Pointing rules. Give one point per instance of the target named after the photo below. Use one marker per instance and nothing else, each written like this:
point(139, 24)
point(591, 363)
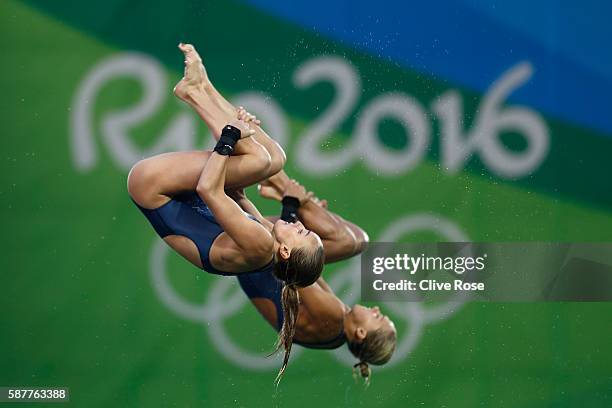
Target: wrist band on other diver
point(290, 209)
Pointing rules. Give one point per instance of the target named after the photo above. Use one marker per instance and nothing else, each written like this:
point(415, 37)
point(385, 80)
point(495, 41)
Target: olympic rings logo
point(225, 299)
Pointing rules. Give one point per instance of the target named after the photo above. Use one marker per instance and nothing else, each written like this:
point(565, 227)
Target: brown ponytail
point(290, 300)
point(302, 269)
point(362, 368)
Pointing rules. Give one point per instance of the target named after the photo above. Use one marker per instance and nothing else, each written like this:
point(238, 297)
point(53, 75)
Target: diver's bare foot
point(277, 182)
point(320, 203)
point(273, 187)
point(195, 80)
point(268, 191)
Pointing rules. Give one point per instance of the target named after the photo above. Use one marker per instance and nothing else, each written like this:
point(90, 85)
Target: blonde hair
point(377, 348)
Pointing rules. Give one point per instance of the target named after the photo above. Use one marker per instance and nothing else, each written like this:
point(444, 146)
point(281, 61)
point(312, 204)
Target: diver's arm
point(247, 206)
point(249, 236)
point(341, 239)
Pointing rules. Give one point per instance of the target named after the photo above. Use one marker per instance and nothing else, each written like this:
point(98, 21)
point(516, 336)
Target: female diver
point(323, 320)
point(182, 195)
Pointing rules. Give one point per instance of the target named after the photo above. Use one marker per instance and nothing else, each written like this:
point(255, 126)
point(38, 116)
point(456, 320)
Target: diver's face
point(295, 235)
point(370, 318)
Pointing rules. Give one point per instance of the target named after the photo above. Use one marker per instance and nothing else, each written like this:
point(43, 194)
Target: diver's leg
point(153, 180)
point(197, 90)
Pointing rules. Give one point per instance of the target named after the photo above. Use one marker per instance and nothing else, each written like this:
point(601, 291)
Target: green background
point(79, 308)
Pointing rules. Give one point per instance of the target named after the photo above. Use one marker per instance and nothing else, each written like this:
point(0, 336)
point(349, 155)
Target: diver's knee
point(263, 161)
point(278, 159)
point(140, 179)
point(362, 240)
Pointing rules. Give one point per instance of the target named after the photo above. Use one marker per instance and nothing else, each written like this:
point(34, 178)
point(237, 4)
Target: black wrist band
point(290, 209)
point(229, 136)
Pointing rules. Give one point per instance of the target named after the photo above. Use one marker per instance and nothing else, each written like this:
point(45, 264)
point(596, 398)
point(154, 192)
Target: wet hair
point(302, 269)
point(377, 348)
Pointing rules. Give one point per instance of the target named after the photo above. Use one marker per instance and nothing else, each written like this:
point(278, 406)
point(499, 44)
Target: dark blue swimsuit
point(189, 216)
point(264, 285)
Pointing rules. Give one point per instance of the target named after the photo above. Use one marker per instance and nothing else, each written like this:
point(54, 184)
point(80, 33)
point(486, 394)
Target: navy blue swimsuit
point(264, 285)
point(189, 216)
